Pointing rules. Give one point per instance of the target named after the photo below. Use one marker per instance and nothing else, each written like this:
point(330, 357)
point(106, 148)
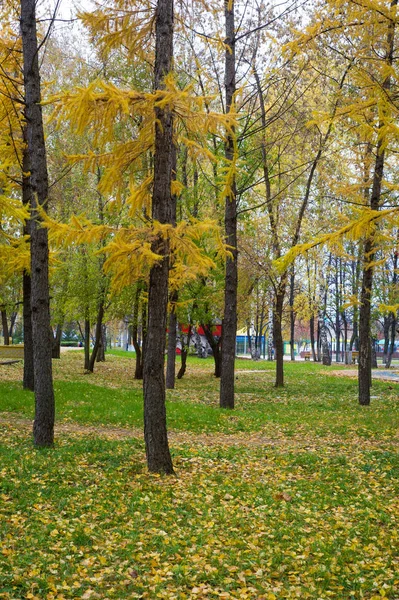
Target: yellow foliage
point(364, 226)
point(129, 250)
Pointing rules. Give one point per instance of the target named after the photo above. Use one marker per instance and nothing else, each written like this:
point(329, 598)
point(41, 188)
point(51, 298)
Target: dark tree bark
point(184, 352)
point(172, 336)
point(155, 433)
point(215, 344)
point(324, 346)
point(98, 335)
point(229, 324)
point(369, 247)
point(13, 319)
point(172, 339)
point(28, 377)
point(4, 325)
point(87, 344)
point(278, 332)
point(386, 329)
point(393, 322)
point(337, 313)
point(43, 428)
point(56, 347)
point(374, 363)
point(102, 346)
point(98, 354)
point(292, 313)
point(312, 337)
point(138, 347)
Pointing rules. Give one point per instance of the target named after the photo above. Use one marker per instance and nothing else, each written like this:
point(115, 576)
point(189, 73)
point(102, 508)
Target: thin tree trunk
point(155, 433)
point(374, 363)
point(391, 350)
point(229, 325)
point(172, 336)
point(138, 374)
point(102, 346)
point(13, 319)
point(386, 329)
point(312, 338)
point(292, 313)
point(4, 324)
point(172, 339)
point(184, 352)
point(87, 344)
point(215, 346)
point(28, 377)
point(56, 347)
point(369, 249)
point(98, 336)
point(43, 428)
point(278, 335)
point(393, 320)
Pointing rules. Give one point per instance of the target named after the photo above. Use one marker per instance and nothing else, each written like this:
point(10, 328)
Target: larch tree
point(368, 107)
point(43, 427)
point(229, 323)
point(156, 440)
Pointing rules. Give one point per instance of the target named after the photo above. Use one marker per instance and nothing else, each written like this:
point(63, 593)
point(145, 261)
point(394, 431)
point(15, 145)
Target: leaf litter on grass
point(291, 508)
point(86, 520)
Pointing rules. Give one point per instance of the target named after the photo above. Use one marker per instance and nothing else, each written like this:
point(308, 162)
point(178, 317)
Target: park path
point(382, 374)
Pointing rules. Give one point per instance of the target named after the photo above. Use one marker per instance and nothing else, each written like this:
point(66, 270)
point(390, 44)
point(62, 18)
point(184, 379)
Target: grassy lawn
point(294, 494)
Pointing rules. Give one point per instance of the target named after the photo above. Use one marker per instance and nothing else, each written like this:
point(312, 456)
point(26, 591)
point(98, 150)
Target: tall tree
point(43, 427)
point(375, 200)
point(229, 327)
point(155, 433)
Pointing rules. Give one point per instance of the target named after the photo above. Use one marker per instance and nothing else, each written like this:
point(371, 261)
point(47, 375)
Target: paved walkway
point(384, 374)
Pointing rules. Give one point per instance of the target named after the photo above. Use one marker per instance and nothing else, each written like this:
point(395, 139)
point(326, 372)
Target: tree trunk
point(172, 336)
point(13, 319)
point(318, 340)
point(278, 332)
point(56, 346)
point(215, 346)
point(374, 363)
point(87, 344)
point(184, 353)
point(229, 324)
point(102, 346)
point(369, 249)
point(98, 336)
point(292, 314)
point(4, 324)
point(345, 321)
point(324, 346)
point(138, 374)
point(391, 349)
point(172, 339)
point(155, 433)
point(28, 378)
point(393, 320)
point(312, 338)
point(386, 329)
point(43, 428)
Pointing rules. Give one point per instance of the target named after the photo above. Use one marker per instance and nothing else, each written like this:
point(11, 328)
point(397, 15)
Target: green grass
point(304, 503)
point(312, 402)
